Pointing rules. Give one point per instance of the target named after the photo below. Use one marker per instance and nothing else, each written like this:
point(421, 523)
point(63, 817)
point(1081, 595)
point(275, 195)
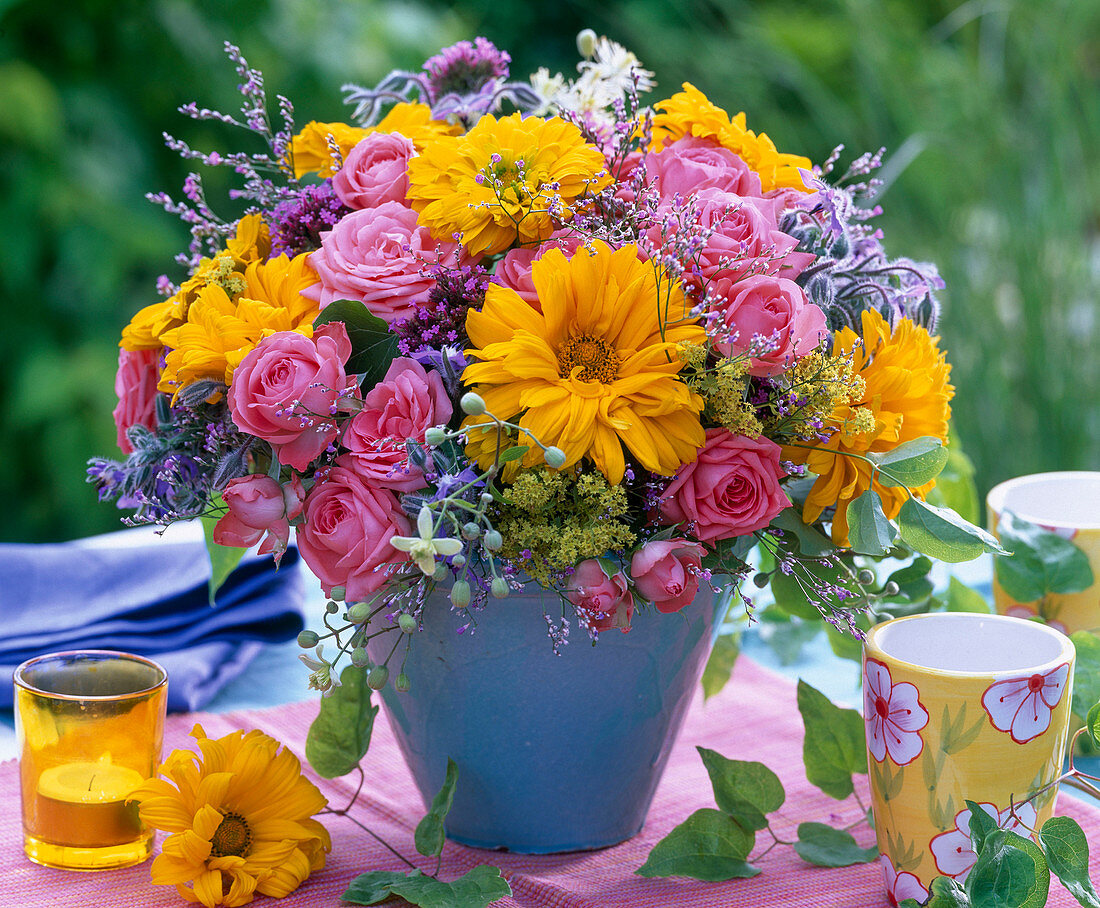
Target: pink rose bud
point(136, 386)
point(375, 171)
point(605, 601)
point(259, 505)
point(666, 572)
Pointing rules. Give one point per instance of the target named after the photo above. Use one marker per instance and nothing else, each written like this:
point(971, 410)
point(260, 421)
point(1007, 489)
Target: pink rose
point(605, 601)
point(285, 391)
point(773, 308)
point(514, 270)
point(691, 164)
point(407, 402)
point(136, 387)
point(666, 572)
point(259, 505)
point(380, 257)
point(375, 171)
point(345, 537)
point(731, 488)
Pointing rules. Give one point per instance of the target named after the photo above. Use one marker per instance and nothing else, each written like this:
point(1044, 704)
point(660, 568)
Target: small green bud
point(338, 593)
point(359, 613)
point(460, 594)
point(493, 540)
point(435, 436)
point(402, 683)
point(761, 580)
point(866, 576)
point(472, 404)
point(377, 677)
point(470, 530)
point(486, 498)
point(331, 607)
point(359, 657)
point(891, 589)
point(407, 623)
point(555, 457)
point(586, 43)
point(499, 588)
point(458, 560)
point(441, 573)
point(308, 639)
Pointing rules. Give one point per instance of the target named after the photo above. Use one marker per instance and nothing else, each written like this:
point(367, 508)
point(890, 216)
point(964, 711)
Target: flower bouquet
point(537, 342)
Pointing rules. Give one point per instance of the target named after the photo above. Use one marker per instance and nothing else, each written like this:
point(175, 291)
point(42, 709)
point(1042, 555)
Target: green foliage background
point(990, 110)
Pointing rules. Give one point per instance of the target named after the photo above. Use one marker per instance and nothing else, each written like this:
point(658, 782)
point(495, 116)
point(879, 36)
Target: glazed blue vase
point(554, 753)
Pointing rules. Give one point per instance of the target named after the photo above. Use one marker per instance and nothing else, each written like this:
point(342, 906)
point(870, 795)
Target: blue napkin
point(146, 594)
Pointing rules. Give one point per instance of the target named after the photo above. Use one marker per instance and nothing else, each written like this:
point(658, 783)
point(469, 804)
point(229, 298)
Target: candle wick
point(91, 781)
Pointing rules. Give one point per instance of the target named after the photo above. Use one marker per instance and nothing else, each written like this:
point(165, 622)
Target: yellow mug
point(960, 707)
point(1066, 503)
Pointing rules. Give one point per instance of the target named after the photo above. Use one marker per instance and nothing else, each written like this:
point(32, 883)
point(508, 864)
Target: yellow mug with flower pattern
point(1067, 504)
point(960, 707)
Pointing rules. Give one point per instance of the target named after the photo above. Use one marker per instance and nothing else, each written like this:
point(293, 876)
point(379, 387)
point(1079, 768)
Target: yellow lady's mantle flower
point(908, 395)
point(239, 818)
point(593, 370)
point(503, 182)
point(691, 113)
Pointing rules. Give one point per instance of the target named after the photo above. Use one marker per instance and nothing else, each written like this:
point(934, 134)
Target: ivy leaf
point(1011, 872)
point(429, 835)
point(1041, 562)
point(340, 735)
point(1067, 853)
point(708, 845)
point(720, 664)
point(373, 345)
point(827, 847)
point(223, 558)
point(869, 530)
point(1086, 673)
point(743, 790)
point(943, 534)
point(911, 464)
point(962, 598)
point(835, 742)
point(477, 889)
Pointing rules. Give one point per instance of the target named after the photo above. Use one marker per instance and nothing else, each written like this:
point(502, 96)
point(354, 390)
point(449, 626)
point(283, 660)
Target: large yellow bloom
point(414, 121)
point(691, 113)
point(280, 281)
point(908, 396)
point(239, 818)
point(592, 371)
point(496, 184)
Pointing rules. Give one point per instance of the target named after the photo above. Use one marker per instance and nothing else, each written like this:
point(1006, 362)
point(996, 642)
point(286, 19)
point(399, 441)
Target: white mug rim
point(995, 500)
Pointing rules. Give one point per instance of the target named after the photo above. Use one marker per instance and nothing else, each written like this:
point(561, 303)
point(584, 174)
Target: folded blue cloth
point(146, 594)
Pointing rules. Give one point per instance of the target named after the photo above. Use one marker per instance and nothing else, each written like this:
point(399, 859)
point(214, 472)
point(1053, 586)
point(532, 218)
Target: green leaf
point(835, 742)
point(1086, 672)
point(1092, 722)
point(1011, 872)
point(745, 791)
point(943, 893)
point(1041, 562)
point(1067, 853)
point(340, 735)
point(373, 345)
point(811, 541)
point(827, 847)
point(962, 598)
point(786, 638)
point(720, 664)
point(911, 464)
point(429, 835)
point(912, 580)
point(981, 826)
point(477, 889)
point(955, 487)
point(223, 558)
point(708, 845)
point(943, 534)
point(516, 452)
point(869, 530)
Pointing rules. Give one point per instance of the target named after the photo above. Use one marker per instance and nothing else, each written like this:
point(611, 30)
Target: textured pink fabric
point(754, 718)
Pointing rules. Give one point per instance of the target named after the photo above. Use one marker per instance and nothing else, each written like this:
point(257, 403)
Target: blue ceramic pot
point(554, 753)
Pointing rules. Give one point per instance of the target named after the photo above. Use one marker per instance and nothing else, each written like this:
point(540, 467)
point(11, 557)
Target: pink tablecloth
point(754, 718)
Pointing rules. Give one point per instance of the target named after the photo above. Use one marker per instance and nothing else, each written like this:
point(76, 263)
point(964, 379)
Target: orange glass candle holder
point(89, 726)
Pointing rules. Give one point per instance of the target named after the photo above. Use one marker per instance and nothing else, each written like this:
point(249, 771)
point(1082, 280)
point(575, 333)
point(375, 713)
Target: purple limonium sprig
point(441, 320)
point(297, 223)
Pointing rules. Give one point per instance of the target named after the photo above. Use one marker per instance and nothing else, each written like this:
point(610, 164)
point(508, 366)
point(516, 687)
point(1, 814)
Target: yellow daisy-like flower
point(496, 184)
point(239, 818)
point(414, 121)
point(593, 371)
point(280, 282)
point(908, 395)
point(691, 113)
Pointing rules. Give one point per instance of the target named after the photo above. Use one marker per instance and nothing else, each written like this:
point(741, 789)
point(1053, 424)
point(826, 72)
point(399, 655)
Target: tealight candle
point(90, 726)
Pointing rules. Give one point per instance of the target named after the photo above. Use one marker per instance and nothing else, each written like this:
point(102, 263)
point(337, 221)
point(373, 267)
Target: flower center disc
point(1035, 683)
point(231, 837)
point(596, 358)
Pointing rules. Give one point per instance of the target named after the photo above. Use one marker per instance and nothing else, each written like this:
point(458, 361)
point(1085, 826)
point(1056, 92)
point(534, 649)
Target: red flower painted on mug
point(953, 850)
point(1023, 706)
point(893, 715)
point(901, 886)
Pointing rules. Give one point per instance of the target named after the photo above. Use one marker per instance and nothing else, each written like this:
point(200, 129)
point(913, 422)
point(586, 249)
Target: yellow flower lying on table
point(239, 820)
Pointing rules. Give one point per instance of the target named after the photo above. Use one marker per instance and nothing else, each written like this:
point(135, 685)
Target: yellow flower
point(592, 371)
point(495, 185)
point(414, 121)
point(907, 395)
point(239, 820)
point(280, 282)
point(691, 113)
point(251, 242)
